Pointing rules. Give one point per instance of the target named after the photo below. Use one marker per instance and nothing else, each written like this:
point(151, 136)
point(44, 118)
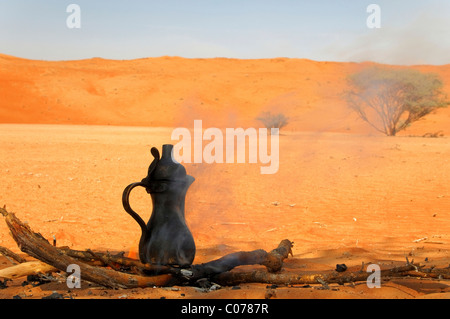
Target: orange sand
point(345, 194)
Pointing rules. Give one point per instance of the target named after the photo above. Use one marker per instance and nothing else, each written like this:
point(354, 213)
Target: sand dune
point(173, 91)
point(343, 193)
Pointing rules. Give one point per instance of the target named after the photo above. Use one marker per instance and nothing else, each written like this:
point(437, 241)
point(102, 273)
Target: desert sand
point(74, 134)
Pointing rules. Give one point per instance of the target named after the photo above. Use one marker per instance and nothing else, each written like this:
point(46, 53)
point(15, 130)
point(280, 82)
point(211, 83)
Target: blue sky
point(412, 32)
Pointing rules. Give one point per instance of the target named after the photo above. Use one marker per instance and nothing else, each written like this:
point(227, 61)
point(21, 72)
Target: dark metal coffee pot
point(165, 239)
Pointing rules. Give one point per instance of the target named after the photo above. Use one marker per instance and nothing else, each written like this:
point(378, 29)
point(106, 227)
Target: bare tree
point(273, 120)
point(391, 99)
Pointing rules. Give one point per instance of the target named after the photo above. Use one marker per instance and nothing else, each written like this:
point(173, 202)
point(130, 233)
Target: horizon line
point(216, 58)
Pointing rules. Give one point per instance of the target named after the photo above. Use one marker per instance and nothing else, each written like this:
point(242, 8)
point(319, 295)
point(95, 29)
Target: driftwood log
point(236, 278)
point(117, 271)
point(137, 274)
point(11, 256)
point(25, 269)
point(35, 245)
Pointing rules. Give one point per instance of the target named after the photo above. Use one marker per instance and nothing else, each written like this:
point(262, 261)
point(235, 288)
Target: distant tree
point(391, 99)
point(273, 120)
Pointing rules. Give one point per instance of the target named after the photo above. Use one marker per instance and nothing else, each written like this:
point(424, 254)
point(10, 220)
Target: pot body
point(166, 238)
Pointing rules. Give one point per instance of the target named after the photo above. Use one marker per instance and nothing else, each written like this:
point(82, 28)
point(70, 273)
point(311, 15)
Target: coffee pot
point(165, 239)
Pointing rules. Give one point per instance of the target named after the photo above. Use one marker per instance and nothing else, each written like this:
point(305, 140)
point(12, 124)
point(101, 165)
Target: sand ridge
point(74, 134)
point(173, 91)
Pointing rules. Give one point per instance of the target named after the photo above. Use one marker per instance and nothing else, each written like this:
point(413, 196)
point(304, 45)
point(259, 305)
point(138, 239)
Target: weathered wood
point(119, 261)
point(25, 269)
point(11, 255)
point(220, 271)
point(272, 260)
point(228, 262)
point(430, 273)
point(232, 278)
point(36, 246)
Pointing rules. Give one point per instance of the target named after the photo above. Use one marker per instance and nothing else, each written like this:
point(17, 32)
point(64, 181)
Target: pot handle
point(127, 207)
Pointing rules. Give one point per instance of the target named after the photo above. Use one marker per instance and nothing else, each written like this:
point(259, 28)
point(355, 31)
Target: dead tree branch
point(117, 271)
point(37, 246)
point(25, 269)
point(272, 260)
point(232, 278)
point(99, 258)
point(11, 256)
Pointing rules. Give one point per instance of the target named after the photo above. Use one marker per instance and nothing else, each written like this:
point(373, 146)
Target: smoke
point(211, 196)
point(425, 39)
